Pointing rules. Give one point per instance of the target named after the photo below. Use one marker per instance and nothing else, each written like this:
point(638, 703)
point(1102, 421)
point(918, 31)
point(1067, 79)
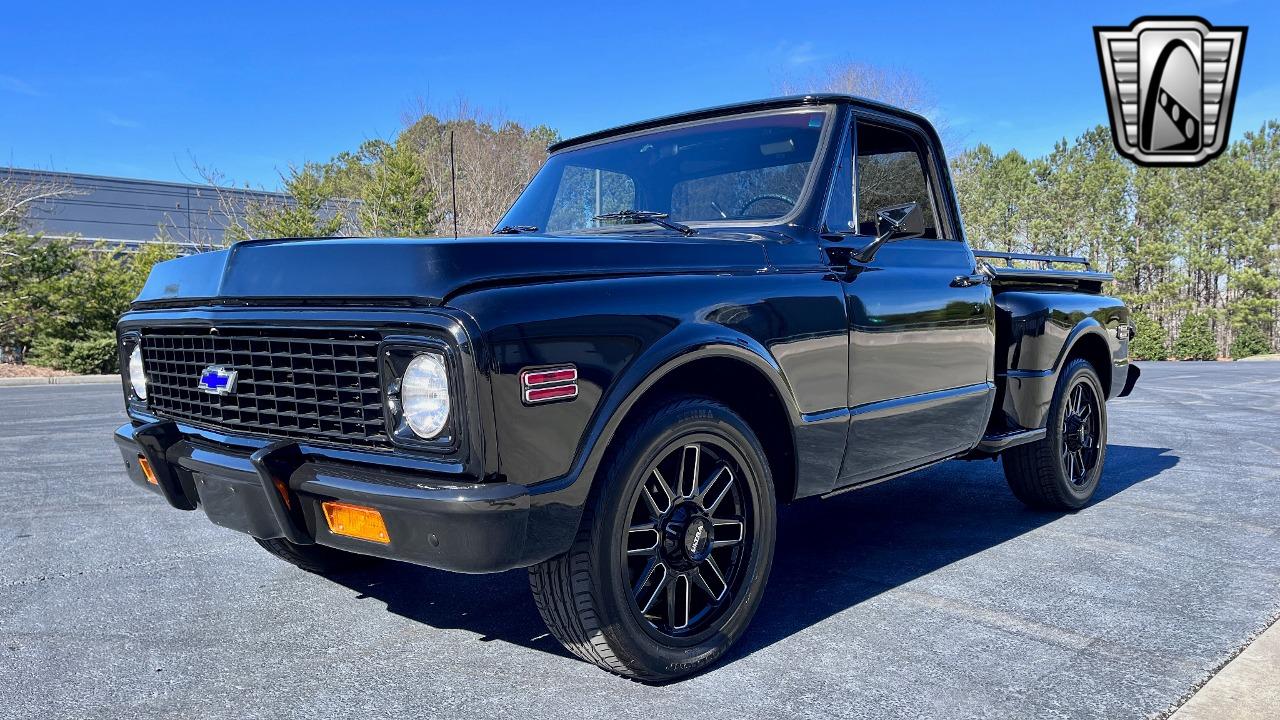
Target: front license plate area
point(237, 505)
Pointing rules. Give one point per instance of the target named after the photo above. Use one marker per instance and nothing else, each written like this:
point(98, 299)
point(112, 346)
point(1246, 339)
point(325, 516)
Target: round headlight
point(424, 395)
point(137, 377)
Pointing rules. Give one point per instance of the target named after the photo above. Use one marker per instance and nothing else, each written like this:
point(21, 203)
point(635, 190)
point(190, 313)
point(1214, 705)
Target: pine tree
point(1175, 238)
point(311, 210)
point(1151, 340)
point(1195, 339)
point(1250, 341)
point(397, 198)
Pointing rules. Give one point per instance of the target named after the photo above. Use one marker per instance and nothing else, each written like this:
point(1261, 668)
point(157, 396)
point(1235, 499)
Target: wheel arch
point(699, 364)
point(724, 374)
point(1088, 341)
point(679, 364)
point(1028, 392)
point(737, 374)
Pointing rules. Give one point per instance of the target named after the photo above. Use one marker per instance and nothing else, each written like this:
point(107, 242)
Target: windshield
point(749, 168)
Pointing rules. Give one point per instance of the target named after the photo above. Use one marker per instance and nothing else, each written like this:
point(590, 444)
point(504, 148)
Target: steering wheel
point(742, 210)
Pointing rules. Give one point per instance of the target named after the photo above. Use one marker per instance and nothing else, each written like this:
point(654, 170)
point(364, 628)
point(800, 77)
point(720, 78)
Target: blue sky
point(140, 89)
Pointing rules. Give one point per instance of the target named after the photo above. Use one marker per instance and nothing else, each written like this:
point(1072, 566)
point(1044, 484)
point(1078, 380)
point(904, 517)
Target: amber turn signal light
point(355, 521)
point(147, 472)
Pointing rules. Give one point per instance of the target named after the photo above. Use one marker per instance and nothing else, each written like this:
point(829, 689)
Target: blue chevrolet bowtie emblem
point(218, 380)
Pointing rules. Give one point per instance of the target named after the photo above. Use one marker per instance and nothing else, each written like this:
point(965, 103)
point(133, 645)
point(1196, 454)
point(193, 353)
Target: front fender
point(626, 334)
point(557, 504)
point(686, 344)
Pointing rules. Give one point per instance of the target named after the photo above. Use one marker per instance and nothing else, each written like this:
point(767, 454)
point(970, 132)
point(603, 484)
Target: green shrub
point(1250, 341)
point(32, 271)
point(60, 300)
point(1195, 339)
point(94, 355)
point(1151, 340)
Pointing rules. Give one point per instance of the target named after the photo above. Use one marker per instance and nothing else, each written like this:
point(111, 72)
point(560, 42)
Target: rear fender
point(1041, 330)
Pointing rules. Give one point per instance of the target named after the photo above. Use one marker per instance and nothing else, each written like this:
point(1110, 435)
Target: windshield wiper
point(514, 229)
point(649, 216)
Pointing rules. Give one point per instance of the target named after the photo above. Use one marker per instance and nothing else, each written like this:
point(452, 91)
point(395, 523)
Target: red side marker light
point(547, 384)
point(534, 378)
point(534, 395)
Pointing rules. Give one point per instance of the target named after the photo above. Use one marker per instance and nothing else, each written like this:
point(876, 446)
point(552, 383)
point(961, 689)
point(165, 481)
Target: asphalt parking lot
point(935, 595)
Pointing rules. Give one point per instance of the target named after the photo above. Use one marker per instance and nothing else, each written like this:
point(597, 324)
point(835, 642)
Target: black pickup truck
point(681, 324)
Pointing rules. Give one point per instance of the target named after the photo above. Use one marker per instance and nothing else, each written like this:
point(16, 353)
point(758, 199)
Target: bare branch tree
point(227, 213)
point(20, 194)
point(239, 211)
point(890, 85)
point(495, 156)
point(894, 86)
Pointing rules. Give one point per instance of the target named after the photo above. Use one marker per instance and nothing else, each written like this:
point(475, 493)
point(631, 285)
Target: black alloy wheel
point(1080, 435)
point(1062, 471)
point(687, 537)
point(674, 548)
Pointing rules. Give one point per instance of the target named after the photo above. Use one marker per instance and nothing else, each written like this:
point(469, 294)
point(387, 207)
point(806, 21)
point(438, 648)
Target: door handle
point(962, 281)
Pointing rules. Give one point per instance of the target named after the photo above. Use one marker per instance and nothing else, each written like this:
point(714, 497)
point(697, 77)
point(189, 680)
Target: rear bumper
point(276, 491)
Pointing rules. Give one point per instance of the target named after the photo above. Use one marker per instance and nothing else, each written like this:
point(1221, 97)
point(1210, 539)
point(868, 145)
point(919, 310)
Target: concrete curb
point(1247, 686)
point(63, 380)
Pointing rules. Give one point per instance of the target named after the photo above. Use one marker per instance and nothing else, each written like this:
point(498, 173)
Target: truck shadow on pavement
point(831, 554)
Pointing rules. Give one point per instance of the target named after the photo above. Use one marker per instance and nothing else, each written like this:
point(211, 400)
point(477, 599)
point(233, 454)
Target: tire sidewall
point(635, 644)
point(1077, 496)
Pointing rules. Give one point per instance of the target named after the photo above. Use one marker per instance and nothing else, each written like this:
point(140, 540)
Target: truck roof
point(741, 107)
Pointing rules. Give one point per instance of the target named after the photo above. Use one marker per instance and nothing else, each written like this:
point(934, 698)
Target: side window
point(587, 192)
point(891, 169)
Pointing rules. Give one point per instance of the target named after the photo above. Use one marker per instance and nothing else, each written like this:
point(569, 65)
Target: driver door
point(921, 338)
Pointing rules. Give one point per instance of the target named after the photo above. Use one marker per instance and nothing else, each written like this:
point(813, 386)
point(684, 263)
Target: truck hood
point(430, 270)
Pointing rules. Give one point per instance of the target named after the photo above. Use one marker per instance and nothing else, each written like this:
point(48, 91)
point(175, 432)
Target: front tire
point(1061, 471)
point(673, 553)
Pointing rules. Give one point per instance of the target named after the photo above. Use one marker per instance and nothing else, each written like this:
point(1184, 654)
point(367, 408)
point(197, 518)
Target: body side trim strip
point(914, 402)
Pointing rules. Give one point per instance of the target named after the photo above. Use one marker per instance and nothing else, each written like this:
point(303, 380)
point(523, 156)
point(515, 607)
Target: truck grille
point(313, 385)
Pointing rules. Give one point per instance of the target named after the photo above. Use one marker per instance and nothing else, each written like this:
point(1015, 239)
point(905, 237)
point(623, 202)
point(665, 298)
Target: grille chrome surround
point(318, 385)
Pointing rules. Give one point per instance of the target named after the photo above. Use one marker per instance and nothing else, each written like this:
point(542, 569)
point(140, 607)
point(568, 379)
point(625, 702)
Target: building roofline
point(35, 173)
point(738, 108)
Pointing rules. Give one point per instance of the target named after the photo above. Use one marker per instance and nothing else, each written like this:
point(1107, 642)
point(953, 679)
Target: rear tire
point(1061, 471)
point(317, 559)
point(674, 549)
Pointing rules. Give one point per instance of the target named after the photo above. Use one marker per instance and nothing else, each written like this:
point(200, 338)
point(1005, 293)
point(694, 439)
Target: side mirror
point(899, 222)
point(896, 222)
